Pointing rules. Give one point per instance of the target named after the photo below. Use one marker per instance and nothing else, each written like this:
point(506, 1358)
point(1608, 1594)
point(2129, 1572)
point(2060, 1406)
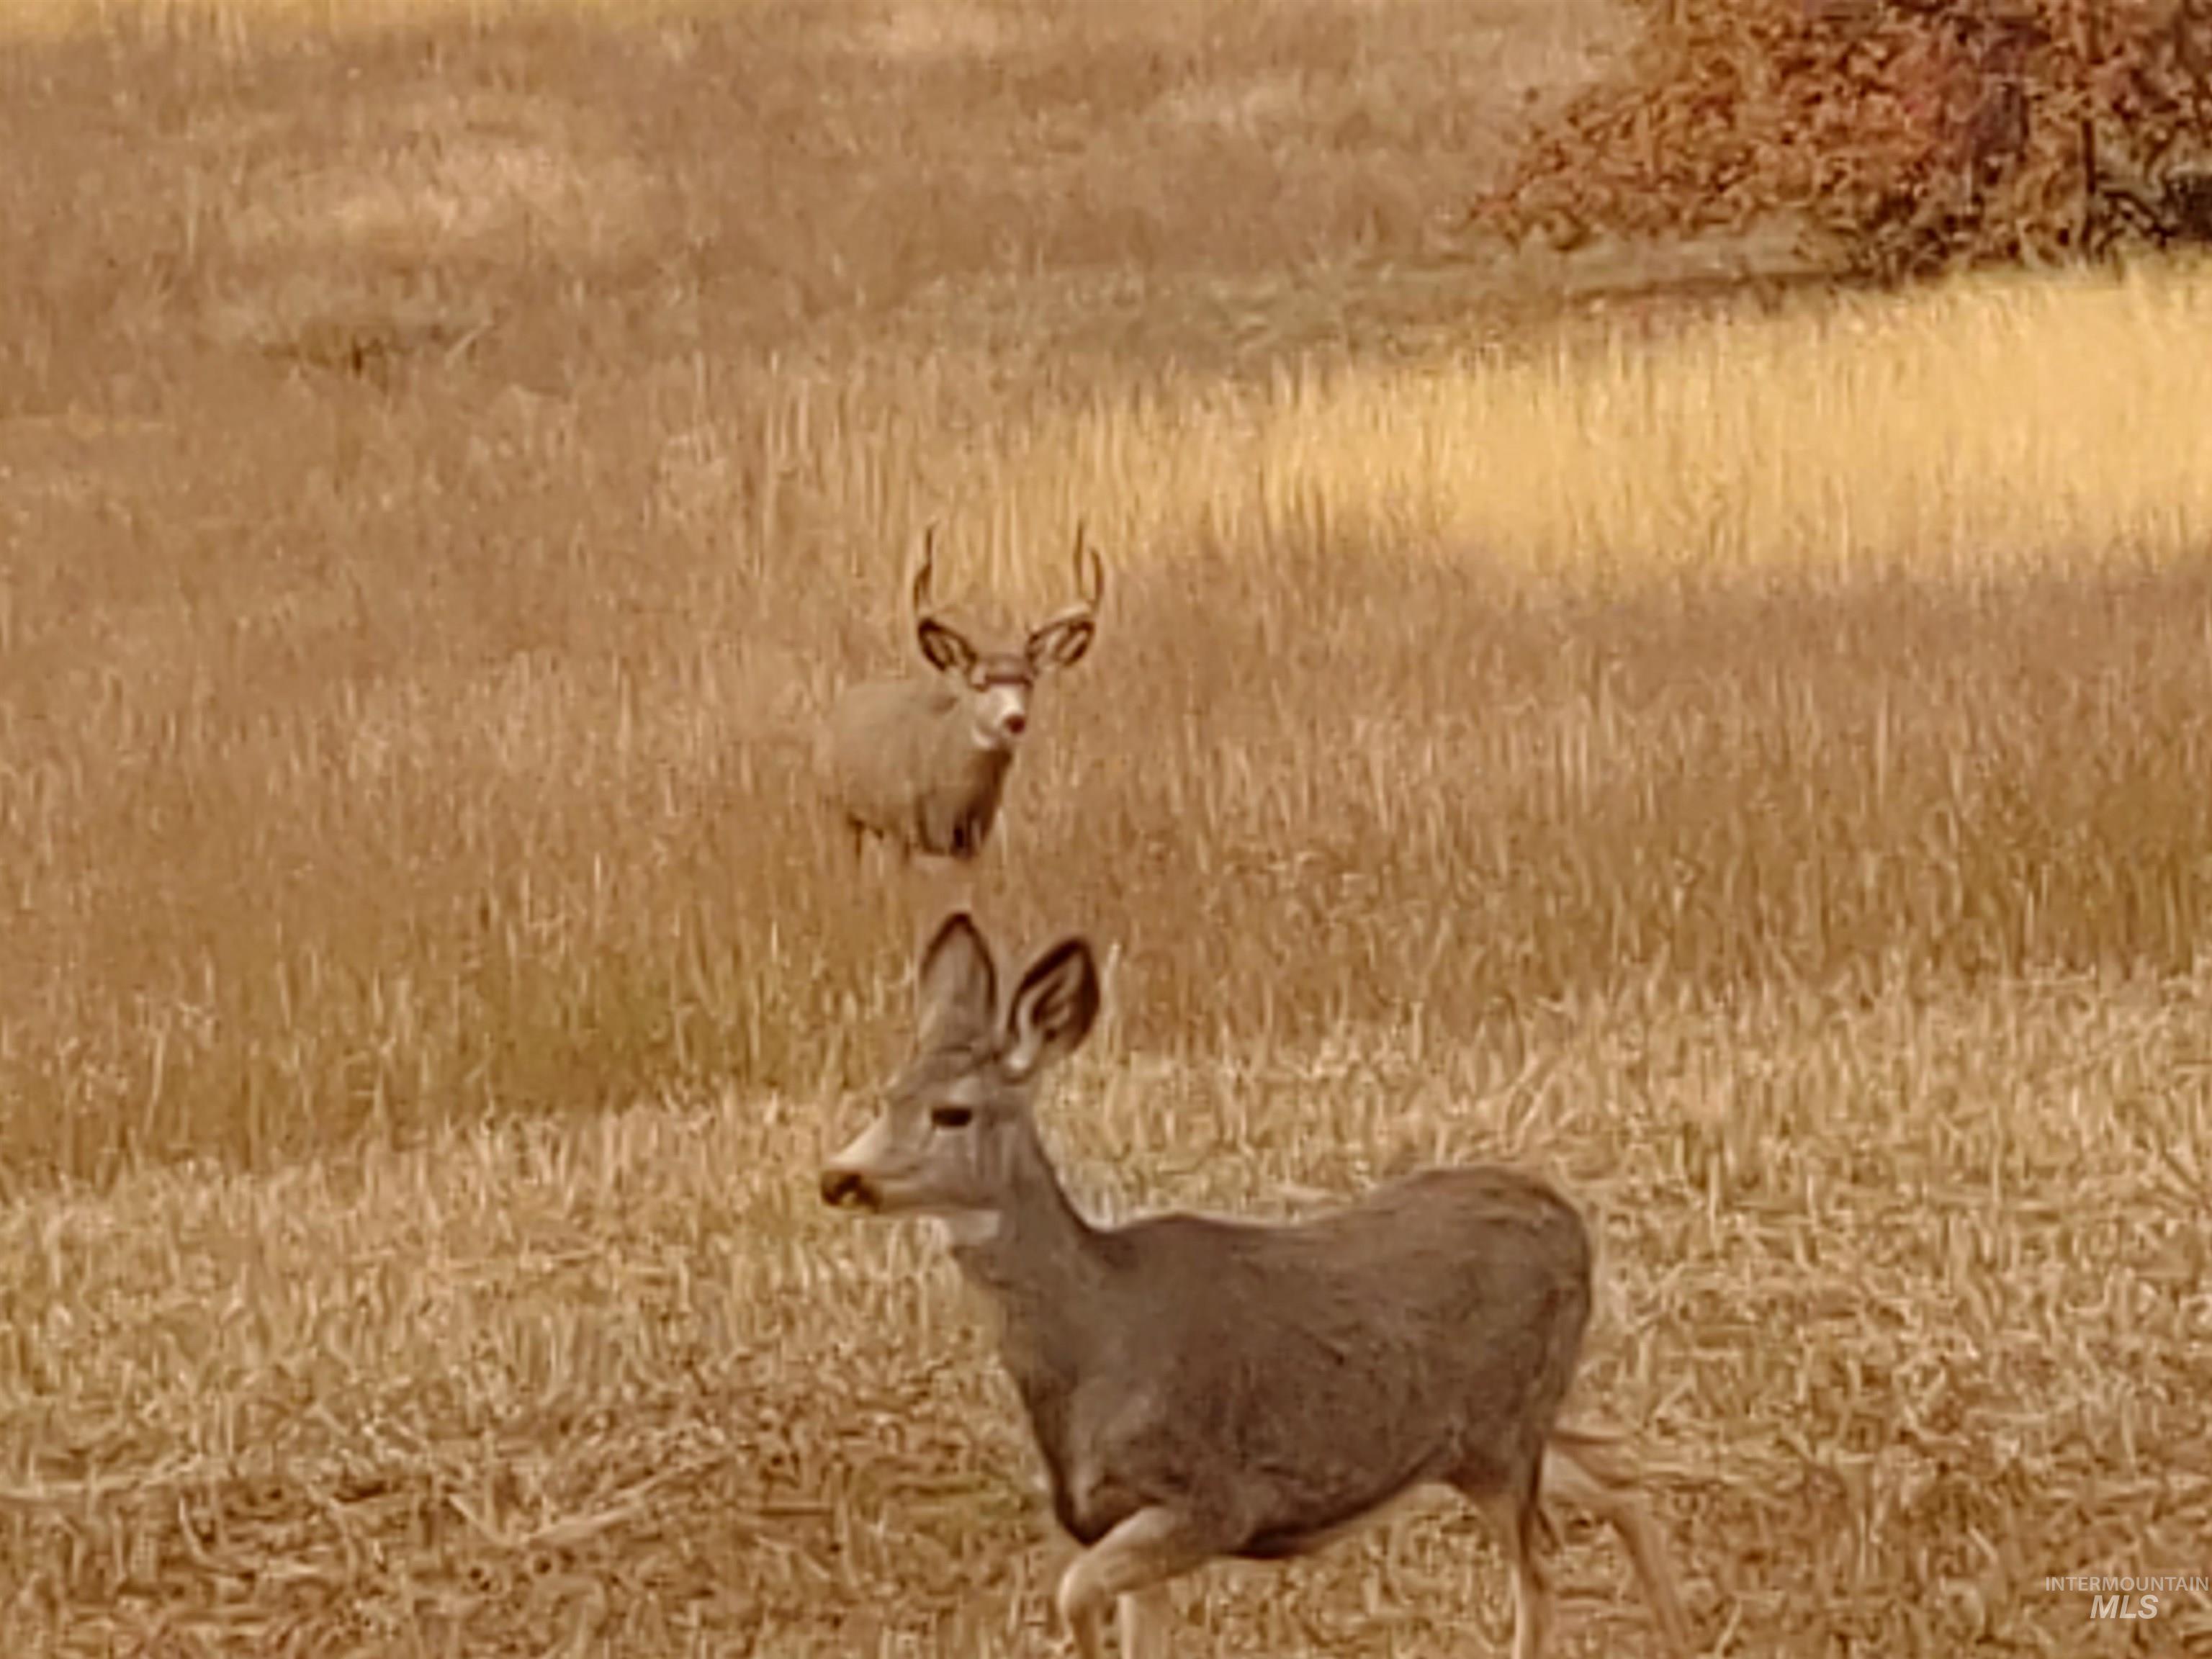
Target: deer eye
point(951, 1117)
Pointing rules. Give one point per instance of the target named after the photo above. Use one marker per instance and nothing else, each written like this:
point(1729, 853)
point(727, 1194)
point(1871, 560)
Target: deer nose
point(1017, 723)
point(842, 1187)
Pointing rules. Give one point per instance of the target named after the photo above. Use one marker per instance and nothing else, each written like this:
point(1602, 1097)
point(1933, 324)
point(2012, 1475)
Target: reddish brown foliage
point(1903, 136)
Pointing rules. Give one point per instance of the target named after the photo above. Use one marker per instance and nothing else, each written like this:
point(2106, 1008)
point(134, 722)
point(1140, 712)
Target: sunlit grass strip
point(1995, 426)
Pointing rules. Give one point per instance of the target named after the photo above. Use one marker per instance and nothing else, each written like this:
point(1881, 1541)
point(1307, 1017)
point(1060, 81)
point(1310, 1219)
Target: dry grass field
point(1744, 750)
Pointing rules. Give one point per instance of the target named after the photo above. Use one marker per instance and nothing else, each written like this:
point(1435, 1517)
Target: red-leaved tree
point(1902, 137)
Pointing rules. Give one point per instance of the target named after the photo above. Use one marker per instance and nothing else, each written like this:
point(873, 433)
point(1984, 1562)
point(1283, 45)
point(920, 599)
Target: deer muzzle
point(1002, 714)
point(847, 1189)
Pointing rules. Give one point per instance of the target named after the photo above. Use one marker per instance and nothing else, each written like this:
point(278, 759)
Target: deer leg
point(1516, 1514)
point(1146, 1617)
point(1145, 1551)
point(1532, 1579)
point(1576, 1470)
point(1532, 1604)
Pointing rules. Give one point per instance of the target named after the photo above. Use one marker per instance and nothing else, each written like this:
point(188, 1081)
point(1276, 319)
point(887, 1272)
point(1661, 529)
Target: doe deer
point(1203, 1388)
point(923, 763)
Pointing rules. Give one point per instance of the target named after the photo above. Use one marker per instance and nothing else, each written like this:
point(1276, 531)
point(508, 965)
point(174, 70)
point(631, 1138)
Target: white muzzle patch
point(1002, 714)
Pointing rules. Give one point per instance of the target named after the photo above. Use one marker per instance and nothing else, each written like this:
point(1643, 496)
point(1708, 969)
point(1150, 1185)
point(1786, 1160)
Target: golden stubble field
point(1744, 754)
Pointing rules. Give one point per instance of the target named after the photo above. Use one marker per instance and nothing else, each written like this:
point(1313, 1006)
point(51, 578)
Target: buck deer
point(1202, 1389)
point(923, 763)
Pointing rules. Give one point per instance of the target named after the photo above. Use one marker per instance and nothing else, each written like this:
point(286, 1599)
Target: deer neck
point(1064, 1320)
point(1044, 1266)
point(984, 763)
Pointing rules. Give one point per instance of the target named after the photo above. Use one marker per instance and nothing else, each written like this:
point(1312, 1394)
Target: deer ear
point(1053, 1009)
point(1061, 643)
point(947, 651)
point(957, 986)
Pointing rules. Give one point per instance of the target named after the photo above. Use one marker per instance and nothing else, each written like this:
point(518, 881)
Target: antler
point(921, 576)
point(1061, 640)
point(944, 646)
point(1093, 589)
